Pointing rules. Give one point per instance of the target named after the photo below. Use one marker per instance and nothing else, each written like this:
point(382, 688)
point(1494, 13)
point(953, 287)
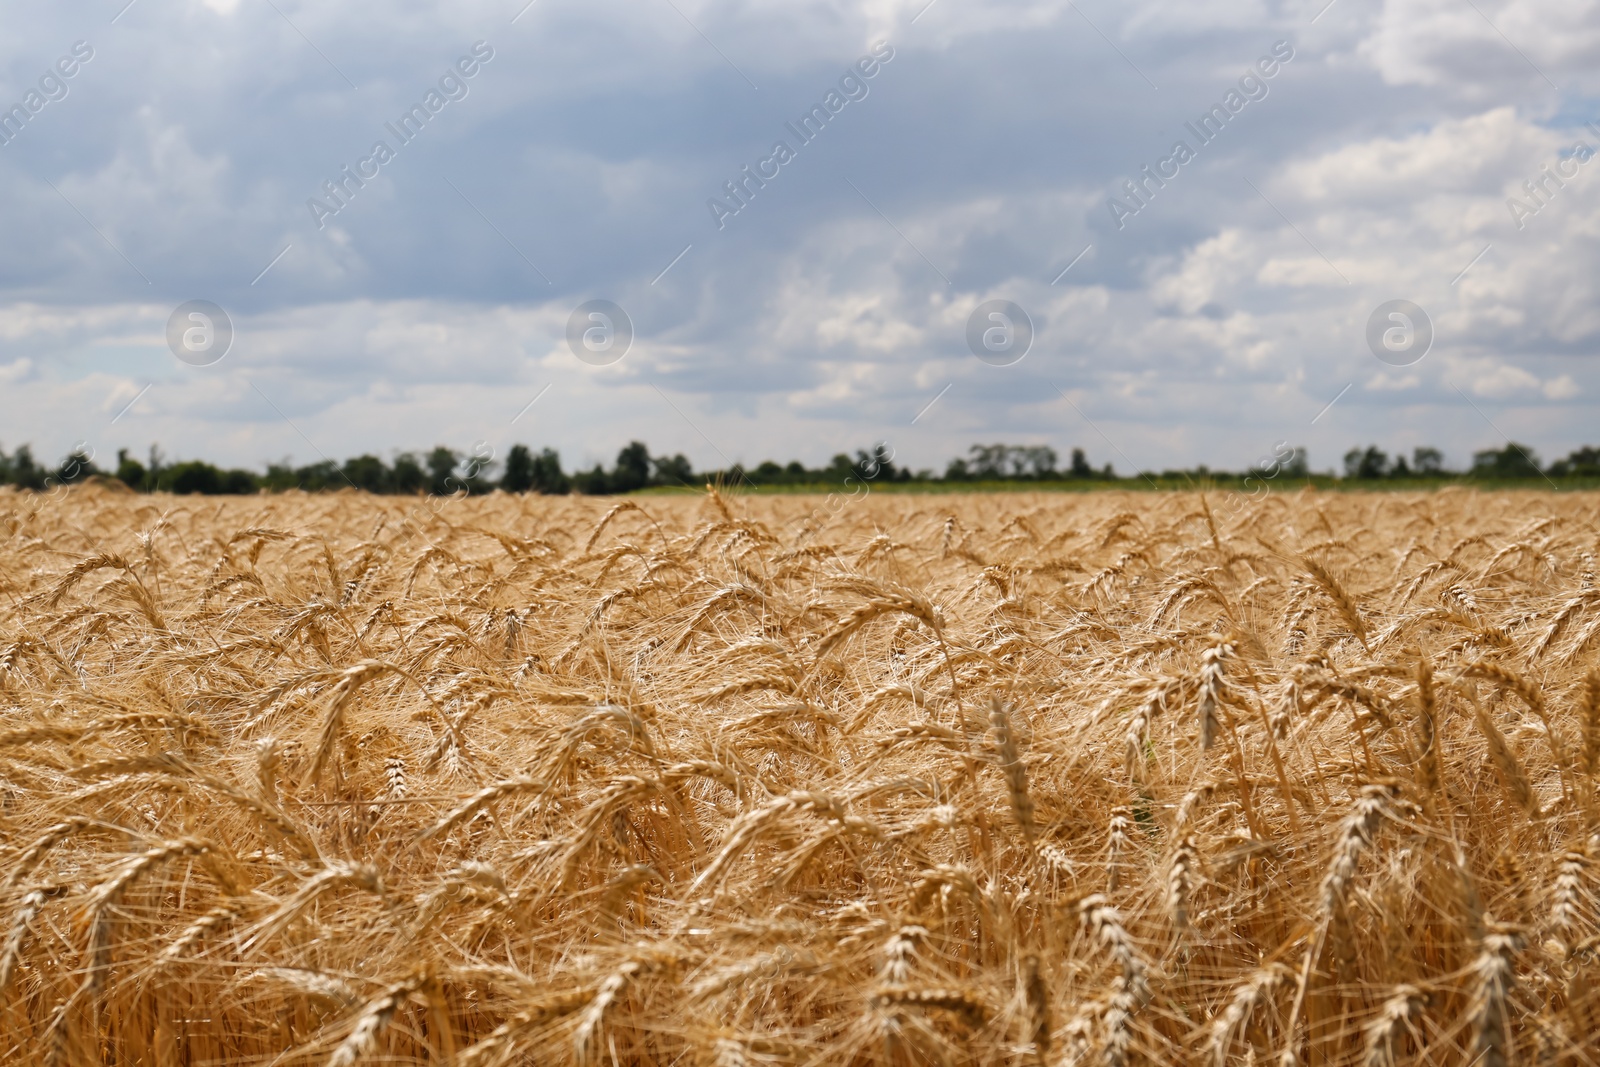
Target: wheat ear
point(1494, 977)
point(1010, 760)
point(373, 1020)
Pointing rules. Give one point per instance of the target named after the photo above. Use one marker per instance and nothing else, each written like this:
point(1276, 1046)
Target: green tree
point(408, 475)
point(592, 482)
point(548, 477)
point(878, 464)
point(839, 468)
point(987, 461)
point(441, 471)
point(320, 476)
point(633, 468)
point(368, 472)
point(674, 470)
point(1425, 460)
point(1512, 461)
point(130, 472)
point(474, 475)
point(25, 471)
point(1584, 461)
point(1038, 460)
point(1373, 462)
point(519, 472)
point(194, 476)
point(240, 482)
point(75, 467)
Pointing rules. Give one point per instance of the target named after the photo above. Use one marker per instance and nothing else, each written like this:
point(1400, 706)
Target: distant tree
point(1512, 461)
point(1080, 465)
point(130, 472)
point(677, 470)
point(633, 468)
point(279, 478)
point(592, 481)
point(476, 469)
point(407, 475)
point(1425, 460)
point(1295, 464)
point(75, 467)
point(548, 478)
point(441, 471)
point(197, 476)
point(320, 476)
point(25, 471)
point(240, 482)
point(1584, 461)
point(518, 476)
point(368, 472)
point(840, 467)
point(1011, 461)
point(987, 461)
point(1371, 462)
point(876, 464)
point(957, 471)
point(1038, 461)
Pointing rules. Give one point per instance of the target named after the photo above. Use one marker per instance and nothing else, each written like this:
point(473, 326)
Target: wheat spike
point(1506, 763)
point(1399, 1011)
point(1037, 993)
point(1016, 775)
point(1052, 777)
point(1494, 975)
point(373, 1020)
point(1182, 875)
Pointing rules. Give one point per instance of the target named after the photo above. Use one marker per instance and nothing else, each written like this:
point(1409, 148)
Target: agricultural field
point(1105, 778)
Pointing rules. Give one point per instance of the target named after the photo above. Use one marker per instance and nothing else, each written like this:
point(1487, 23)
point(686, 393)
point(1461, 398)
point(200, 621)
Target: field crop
point(1003, 779)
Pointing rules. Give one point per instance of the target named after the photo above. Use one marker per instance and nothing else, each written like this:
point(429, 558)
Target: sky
point(975, 160)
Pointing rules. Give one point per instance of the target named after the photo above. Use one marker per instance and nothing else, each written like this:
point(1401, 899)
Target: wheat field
point(1109, 778)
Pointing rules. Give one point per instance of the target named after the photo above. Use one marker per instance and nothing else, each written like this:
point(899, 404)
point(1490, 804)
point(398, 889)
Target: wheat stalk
point(726, 801)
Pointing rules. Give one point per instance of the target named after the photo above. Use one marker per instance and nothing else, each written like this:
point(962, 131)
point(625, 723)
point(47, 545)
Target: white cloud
point(1480, 50)
point(15, 371)
point(1206, 329)
point(1502, 381)
point(1561, 388)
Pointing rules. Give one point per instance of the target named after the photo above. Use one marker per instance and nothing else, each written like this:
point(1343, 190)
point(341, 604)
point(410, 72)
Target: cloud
point(15, 371)
point(832, 309)
point(1479, 51)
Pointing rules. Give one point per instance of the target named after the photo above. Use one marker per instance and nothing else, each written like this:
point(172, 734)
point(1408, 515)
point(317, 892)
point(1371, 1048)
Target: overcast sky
point(985, 159)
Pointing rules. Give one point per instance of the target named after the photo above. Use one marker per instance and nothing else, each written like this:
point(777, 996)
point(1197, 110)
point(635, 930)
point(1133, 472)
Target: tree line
point(1513, 461)
point(444, 471)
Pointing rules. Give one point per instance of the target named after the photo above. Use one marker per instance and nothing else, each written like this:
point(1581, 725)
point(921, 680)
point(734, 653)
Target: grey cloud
point(589, 145)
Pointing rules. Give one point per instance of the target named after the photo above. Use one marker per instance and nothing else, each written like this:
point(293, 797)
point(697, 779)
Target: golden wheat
point(718, 779)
